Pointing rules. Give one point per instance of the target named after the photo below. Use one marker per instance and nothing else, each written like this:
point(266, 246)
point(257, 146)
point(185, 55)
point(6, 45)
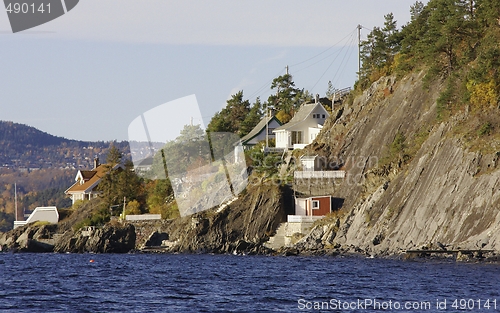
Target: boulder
point(29, 238)
point(111, 238)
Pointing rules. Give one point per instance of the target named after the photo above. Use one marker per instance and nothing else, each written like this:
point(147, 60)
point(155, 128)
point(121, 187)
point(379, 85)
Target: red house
point(313, 206)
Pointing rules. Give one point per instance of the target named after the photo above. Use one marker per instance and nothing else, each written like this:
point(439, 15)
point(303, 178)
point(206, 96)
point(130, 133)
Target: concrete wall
point(143, 217)
point(45, 214)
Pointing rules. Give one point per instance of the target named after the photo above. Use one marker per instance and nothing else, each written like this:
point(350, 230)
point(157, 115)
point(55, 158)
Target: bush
point(482, 94)
point(485, 129)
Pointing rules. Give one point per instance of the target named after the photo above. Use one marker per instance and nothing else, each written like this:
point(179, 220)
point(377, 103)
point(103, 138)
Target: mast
point(15, 200)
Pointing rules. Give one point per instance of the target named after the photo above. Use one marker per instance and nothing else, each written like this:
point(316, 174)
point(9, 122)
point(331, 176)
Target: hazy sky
point(89, 73)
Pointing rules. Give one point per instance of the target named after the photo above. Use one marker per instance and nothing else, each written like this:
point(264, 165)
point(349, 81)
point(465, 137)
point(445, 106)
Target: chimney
point(316, 98)
point(96, 162)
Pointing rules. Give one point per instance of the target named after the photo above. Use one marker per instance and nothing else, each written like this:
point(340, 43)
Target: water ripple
point(225, 283)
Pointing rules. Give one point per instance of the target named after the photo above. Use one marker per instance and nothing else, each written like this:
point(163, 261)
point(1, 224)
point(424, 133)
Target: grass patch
point(330, 218)
point(485, 129)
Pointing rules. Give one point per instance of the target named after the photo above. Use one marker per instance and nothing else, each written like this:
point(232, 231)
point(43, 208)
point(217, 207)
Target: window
point(296, 137)
point(324, 116)
point(315, 205)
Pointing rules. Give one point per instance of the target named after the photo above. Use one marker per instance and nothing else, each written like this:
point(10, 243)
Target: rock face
point(112, 238)
point(444, 193)
point(240, 227)
point(29, 238)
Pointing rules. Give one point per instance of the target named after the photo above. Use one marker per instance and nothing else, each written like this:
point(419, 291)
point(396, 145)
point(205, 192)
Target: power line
point(331, 63)
point(260, 90)
point(335, 44)
point(343, 64)
point(351, 38)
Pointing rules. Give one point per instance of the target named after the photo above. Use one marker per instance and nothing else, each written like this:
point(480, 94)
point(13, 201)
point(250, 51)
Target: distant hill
point(42, 166)
point(27, 148)
point(24, 135)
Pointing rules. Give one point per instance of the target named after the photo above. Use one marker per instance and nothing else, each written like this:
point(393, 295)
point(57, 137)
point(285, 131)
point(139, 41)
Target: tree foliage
point(252, 119)
point(232, 116)
point(120, 182)
point(287, 98)
point(456, 40)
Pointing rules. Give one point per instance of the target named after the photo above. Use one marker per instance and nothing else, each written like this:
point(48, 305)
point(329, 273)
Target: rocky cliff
point(242, 226)
point(411, 180)
point(112, 238)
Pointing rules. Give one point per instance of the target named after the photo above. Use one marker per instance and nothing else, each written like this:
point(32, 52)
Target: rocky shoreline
point(111, 238)
point(243, 227)
point(129, 238)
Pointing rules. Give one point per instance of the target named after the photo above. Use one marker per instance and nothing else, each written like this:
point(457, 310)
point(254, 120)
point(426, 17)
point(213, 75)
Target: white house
point(85, 186)
point(302, 128)
point(258, 133)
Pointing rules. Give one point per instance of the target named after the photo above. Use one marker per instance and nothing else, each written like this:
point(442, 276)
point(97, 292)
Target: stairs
point(278, 240)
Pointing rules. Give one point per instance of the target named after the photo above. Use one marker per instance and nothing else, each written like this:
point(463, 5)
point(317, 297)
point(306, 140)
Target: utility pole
point(267, 128)
point(359, 50)
point(124, 207)
point(287, 69)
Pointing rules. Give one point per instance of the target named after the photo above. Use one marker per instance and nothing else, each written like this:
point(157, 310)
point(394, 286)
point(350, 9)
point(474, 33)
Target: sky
point(89, 73)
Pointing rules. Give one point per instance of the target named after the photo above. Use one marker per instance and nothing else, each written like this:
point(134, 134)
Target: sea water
point(228, 283)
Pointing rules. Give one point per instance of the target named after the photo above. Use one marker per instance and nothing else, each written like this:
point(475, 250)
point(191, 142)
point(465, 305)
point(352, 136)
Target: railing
point(318, 174)
point(299, 145)
point(19, 223)
point(342, 92)
point(273, 150)
point(143, 217)
point(302, 219)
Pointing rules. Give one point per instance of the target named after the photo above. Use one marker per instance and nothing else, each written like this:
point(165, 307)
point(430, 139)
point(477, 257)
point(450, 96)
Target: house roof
point(258, 128)
point(87, 174)
point(91, 179)
point(304, 112)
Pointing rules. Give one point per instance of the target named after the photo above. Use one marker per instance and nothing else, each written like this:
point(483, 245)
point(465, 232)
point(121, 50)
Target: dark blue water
point(224, 283)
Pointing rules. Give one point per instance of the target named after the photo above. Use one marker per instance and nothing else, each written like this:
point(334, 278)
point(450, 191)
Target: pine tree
point(252, 119)
point(230, 118)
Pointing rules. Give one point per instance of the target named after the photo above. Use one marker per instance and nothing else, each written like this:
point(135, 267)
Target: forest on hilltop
point(456, 43)
point(25, 147)
point(42, 166)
